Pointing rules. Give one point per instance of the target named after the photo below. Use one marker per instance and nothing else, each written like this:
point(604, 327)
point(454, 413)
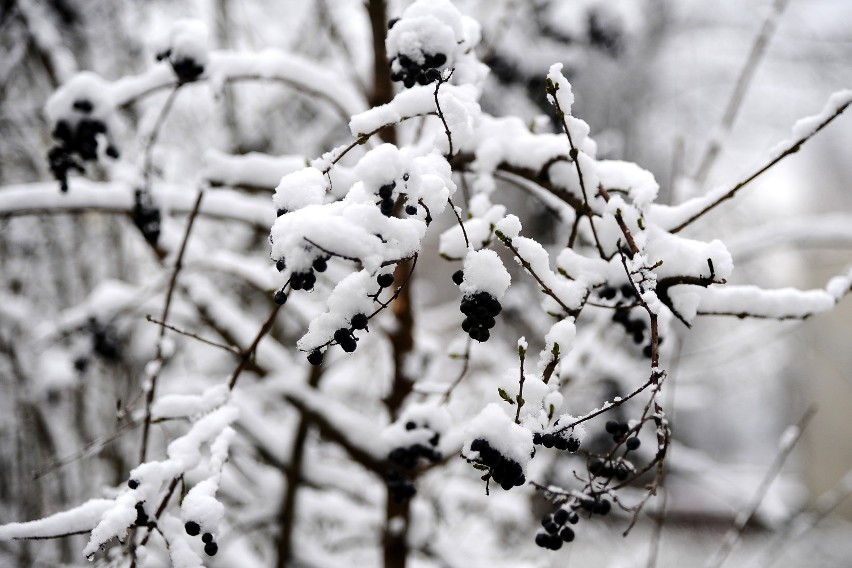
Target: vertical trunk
point(287, 512)
point(229, 104)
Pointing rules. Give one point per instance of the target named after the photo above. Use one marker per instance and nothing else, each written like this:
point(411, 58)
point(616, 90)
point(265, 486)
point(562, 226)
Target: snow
point(484, 272)
point(299, 189)
point(640, 183)
point(687, 257)
point(563, 95)
point(509, 227)
point(77, 519)
point(116, 196)
point(436, 26)
point(839, 286)
point(181, 552)
point(184, 406)
point(561, 336)
point(494, 425)
point(752, 300)
point(478, 228)
point(416, 101)
point(187, 39)
point(253, 169)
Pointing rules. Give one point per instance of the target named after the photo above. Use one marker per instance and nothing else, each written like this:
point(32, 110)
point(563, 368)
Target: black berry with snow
point(185, 48)
point(385, 280)
point(504, 471)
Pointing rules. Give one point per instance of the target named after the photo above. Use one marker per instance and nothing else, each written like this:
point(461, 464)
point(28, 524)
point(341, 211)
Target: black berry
point(320, 265)
point(385, 280)
point(315, 357)
point(633, 443)
point(280, 297)
point(192, 528)
point(133, 484)
point(410, 210)
point(211, 548)
point(458, 277)
point(359, 321)
point(207, 538)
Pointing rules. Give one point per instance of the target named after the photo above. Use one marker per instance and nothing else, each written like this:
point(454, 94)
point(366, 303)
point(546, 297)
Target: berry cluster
point(556, 529)
point(407, 458)
point(596, 505)
point(415, 68)
point(146, 216)
point(619, 468)
point(387, 202)
point(504, 471)
point(480, 308)
point(557, 440)
point(625, 293)
point(194, 529)
point(186, 68)
point(410, 72)
point(619, 431)
point(76, 142)
point(634, 327)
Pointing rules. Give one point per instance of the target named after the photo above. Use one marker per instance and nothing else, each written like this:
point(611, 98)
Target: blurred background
point(653, 78)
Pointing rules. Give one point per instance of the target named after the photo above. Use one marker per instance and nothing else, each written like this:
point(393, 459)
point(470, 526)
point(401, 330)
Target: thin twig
point(462, 373)
point(791, 149)
point(758, 50)
point(574, 154)
point(441, 81)
point(807, 520)
point(732, 537)
point(362, 139)
point(160, 356)
point(544, 287)
point(229, 348)
point(155, 133)
point(249, 351)
point(519, 400)
point(461, 223)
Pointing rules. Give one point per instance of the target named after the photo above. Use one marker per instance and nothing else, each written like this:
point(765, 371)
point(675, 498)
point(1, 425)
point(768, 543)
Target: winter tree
point(340, 283)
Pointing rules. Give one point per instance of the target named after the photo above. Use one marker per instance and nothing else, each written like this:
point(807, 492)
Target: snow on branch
point(269, 64)
point(80, 519)
point(755, 302)
point(118, 197)
point(676, 218)
point(253, 170)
